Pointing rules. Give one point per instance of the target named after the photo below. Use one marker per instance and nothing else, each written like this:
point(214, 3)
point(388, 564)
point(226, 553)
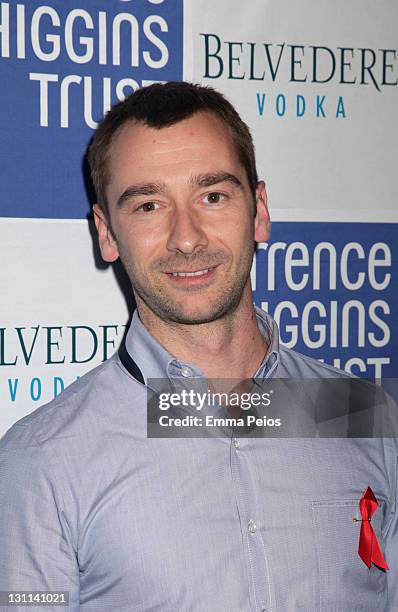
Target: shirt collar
point(270, 332)
point(154, 361)
point(149, 355)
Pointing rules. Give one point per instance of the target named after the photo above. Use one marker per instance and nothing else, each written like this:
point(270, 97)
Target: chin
point(193, 309)
point(198, 316)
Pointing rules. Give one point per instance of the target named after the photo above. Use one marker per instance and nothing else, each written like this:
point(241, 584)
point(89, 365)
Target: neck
point(231, 347)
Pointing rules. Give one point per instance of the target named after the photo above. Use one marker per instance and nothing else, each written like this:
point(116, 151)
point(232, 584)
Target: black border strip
point(129, 363)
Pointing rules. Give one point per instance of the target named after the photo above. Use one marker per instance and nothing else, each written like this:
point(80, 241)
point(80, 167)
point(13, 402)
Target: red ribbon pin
point(369, 548)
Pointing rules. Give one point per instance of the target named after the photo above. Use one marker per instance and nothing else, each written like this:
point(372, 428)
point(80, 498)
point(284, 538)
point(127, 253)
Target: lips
point(196, 273)
point(191, 277)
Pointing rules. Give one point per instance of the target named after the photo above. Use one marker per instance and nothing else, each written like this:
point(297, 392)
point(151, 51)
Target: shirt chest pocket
point(345, 582)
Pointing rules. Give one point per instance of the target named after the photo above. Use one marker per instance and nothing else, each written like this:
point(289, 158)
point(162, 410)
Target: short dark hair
point(162, 105)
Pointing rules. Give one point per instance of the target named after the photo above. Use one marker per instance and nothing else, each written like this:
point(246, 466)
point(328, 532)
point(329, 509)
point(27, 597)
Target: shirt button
point(252, 527)
point(236, 443)
point(186, 372)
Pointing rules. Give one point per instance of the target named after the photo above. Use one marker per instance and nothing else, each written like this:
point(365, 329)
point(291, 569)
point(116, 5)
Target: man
point(91, 505)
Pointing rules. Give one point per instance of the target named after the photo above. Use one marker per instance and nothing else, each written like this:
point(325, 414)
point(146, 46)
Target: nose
point(187, 234)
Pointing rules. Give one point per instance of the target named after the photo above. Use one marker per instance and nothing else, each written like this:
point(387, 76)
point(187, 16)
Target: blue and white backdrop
point(316, 82)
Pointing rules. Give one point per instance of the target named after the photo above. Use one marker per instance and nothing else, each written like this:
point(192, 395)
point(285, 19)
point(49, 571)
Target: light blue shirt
point(90, 505)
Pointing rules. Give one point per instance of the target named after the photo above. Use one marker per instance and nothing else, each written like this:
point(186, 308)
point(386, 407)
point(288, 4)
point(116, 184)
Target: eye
point(148, 207)
point(214, 198)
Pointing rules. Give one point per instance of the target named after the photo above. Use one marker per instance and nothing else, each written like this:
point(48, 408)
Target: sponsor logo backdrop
point(318, 88)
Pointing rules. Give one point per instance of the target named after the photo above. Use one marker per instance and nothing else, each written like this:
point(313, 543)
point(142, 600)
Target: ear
point(107, 242)
point(262, 222)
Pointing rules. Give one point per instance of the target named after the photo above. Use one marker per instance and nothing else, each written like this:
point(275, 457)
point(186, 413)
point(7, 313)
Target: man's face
point(182, 218)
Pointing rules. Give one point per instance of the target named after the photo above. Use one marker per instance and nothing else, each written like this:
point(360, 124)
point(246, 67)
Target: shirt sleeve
point(36, 543)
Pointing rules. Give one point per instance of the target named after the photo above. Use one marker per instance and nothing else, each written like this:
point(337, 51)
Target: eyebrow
point(145, 189)
point(213, 178)
point(200, 180)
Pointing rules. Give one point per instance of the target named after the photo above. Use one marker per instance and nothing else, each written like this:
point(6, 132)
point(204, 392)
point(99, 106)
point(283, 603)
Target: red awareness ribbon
point(369, 548)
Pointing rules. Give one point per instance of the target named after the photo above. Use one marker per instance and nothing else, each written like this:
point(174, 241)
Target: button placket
point(258, 572)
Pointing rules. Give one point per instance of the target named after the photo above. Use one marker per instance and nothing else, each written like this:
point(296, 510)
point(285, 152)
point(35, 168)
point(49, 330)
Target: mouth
point(189, 277)
point(197, 273)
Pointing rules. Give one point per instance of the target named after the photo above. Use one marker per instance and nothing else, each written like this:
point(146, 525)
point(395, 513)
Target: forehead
point(201, 143)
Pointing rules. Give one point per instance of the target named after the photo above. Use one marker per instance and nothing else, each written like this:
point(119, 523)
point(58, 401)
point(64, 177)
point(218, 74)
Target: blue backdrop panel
point(333, 289)
point(60, 66)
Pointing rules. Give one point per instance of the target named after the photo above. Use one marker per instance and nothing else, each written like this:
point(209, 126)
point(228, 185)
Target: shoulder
point(297, 365)
point(368, 409)
point(84, 406)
